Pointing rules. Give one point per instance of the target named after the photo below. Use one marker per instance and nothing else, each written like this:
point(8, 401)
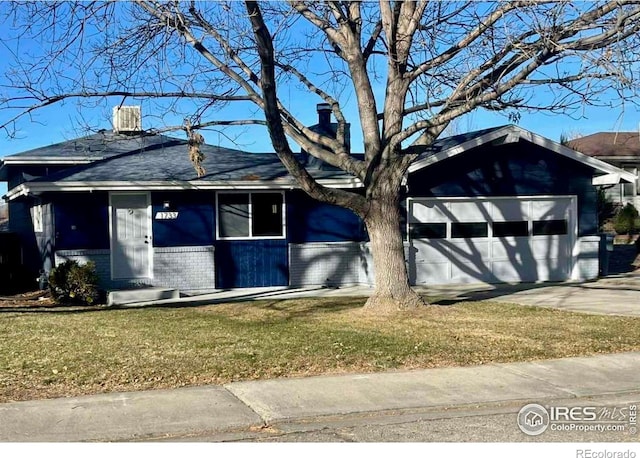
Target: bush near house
point(626, 220)
point(72, 283)
point(606, 210)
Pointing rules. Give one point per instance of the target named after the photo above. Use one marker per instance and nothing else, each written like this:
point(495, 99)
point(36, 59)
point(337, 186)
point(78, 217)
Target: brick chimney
point(324, 114)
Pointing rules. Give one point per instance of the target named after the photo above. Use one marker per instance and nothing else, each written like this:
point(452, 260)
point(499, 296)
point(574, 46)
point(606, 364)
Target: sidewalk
point(244, 405)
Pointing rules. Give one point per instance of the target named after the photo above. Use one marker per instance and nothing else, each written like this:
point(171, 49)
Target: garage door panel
point(432, 212)
point(469, 272)
point(506, 271)
point(432, 273)
point(432, 251)
point(509, 210)
point(506, 248)
point(470, 211)
point(476, 250)
point(544, 247)
point(526, 240)
point(549, 209)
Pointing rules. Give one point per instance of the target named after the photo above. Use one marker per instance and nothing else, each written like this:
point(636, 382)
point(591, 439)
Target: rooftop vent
point(127, 119)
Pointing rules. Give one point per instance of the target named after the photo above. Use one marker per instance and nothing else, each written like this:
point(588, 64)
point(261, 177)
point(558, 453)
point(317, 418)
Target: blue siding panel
point(311, 221)
point(81, 221)
point(194, 225)
point(21, 224)
point(251, 263)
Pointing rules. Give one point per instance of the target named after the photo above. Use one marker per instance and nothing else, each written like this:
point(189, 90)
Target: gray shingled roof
point(92, 147)
point(160, 158)
point(163, 158)
point(449, 142)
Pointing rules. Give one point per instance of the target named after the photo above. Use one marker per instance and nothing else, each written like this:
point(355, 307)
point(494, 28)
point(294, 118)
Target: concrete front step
point(130, 296)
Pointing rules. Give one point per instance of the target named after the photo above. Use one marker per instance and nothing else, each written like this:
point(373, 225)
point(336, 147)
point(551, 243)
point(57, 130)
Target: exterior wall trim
point(251, 237)
point(512, 134)
point(36, 188)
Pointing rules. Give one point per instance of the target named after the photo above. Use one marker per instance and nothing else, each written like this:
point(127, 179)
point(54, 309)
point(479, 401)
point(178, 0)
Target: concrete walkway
point(247, 406)
point(611, 296)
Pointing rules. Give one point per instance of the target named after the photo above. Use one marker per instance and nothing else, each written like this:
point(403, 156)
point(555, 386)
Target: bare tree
point(410, 68)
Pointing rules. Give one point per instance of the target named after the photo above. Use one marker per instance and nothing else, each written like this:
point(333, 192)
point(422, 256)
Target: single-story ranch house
point(496, 205)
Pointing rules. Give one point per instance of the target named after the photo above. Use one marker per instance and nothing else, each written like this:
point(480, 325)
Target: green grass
point(67, 352)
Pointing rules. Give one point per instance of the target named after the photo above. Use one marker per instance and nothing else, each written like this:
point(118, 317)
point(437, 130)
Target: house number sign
point(167, 215)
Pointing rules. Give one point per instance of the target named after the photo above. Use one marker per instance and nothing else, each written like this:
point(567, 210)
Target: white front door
point(130, 236)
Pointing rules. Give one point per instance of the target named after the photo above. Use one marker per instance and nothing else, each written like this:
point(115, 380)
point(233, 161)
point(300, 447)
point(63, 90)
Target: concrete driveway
point(607, 296)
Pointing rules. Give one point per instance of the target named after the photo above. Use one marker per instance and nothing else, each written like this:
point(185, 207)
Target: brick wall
point(329, 263)
point(332, 264)
point(184, 268)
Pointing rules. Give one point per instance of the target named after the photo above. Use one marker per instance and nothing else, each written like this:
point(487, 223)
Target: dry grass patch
point(71, 352)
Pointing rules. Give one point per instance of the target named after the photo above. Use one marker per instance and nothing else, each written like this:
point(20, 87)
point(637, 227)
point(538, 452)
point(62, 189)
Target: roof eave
point(36, 188)
point(51, 161)
point(511, 134)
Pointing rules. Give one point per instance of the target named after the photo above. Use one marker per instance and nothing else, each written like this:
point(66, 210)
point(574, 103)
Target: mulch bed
point(30, 299)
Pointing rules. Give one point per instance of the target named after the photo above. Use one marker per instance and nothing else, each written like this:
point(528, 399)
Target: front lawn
point(65, 352)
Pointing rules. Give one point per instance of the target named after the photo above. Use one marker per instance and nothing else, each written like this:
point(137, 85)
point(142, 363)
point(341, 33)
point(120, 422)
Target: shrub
point(625, 221)
point(606, 209)
point(73, 283)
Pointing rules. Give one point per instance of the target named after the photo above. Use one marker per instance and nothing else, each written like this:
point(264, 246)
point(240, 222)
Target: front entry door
point(130, 236)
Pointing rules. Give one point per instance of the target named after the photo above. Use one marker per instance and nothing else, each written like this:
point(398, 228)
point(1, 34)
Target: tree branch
point(347, 199)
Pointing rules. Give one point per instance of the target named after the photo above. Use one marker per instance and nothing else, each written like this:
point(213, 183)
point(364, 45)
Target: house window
point(250, 215)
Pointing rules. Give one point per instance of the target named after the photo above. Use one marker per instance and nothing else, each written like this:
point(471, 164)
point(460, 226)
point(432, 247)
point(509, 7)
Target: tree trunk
point(392, 290)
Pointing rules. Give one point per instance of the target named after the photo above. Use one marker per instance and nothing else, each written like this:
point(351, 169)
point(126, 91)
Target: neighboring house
point(4, 217)
point(621, 149)
point(497, 205)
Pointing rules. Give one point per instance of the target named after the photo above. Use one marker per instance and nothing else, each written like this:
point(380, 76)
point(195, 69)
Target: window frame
point(250, 219)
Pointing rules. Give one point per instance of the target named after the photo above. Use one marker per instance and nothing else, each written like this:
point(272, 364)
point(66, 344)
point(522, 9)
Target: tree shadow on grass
point(303, 307)
point(293, 307)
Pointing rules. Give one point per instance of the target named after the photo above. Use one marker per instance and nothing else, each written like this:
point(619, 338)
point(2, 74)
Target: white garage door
point(491, 240)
